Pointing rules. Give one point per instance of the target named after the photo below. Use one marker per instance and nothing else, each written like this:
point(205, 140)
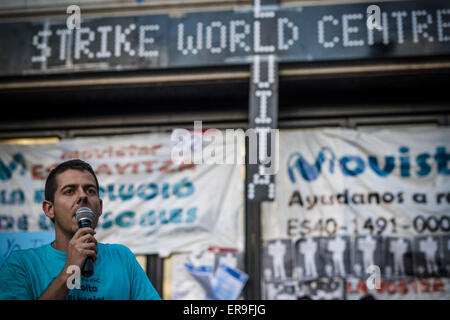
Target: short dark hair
point(76, 164)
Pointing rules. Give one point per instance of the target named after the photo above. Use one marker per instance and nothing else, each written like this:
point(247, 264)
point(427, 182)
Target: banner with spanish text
point(355, 206)
point(150, 204)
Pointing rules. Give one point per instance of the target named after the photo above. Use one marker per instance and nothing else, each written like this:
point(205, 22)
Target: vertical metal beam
point(155, 272)
point(252, 241)
point(263, 116)
point(253, 250)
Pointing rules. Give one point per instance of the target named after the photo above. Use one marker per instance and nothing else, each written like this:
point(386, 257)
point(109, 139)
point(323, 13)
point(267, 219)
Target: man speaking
point(74, 266)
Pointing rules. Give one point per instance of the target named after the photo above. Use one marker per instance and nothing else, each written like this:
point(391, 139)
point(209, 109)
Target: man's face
point(75, 189)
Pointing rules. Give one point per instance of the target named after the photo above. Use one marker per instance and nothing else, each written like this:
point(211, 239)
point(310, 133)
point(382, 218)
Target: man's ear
point(49, 209)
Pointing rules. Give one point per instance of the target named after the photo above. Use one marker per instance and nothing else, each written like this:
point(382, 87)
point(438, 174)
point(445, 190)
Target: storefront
point(318, 72)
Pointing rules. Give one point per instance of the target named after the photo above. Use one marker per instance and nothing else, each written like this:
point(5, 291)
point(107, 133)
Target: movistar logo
point(353, 165)
point(6, 170)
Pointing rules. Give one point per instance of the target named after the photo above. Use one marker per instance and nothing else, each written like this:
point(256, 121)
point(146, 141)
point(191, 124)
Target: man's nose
point(82, 196)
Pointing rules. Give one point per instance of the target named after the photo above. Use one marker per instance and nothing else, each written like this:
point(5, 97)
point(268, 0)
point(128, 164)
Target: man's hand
point(82, 245)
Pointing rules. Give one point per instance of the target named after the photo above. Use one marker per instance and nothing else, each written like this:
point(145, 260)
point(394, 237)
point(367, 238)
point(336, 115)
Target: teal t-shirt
point(26, 274)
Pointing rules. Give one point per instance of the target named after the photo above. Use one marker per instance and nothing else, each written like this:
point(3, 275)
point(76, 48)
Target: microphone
point(85, 218)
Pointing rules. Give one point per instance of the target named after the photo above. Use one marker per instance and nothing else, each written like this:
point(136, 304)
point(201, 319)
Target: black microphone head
point(84, 215)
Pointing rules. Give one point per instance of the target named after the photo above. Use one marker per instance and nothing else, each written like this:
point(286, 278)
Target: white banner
point(150, 204)
point(350, 199)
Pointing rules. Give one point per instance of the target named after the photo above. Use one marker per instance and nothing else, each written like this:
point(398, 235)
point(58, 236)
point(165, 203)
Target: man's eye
point(68, 192)
point(92, 191)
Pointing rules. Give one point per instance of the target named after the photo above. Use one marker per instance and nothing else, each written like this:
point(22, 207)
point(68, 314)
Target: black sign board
point(306, 33)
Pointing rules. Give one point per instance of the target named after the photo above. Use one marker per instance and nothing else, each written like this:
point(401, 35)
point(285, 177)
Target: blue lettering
point(148, 191)
point(389, 165)
point(107, 223)
point(112, 196)
point(126, 196)
point(175, 215)
point(165, 191)
point(404, 163)
point(45, 223)
point(191, 215)
point(22, 223)
point(352, 165)
point(127, 215)
point(16, 197)
point(39, 196)
point(310, 172)
point(101, 192)
point(162, 217)
point(127, 219)
point(6, 222)
point(425, 168)
point(148, 219)
point(183, 184)
point(442, 158)
point(142, 191)
point(352, 172)
point(6, 171)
